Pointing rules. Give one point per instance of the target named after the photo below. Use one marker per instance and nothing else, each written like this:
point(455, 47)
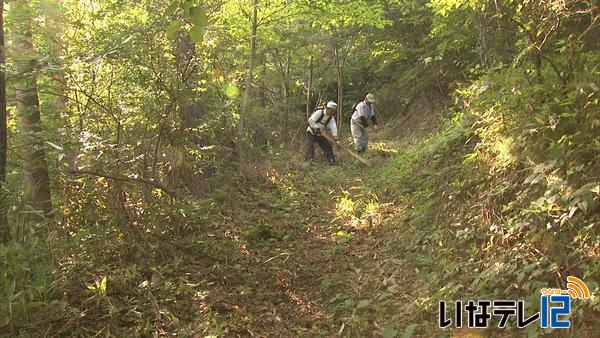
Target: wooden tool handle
point(357, 156)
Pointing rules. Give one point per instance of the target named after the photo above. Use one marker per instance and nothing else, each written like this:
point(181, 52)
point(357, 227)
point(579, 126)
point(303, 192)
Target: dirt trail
point(326, 277)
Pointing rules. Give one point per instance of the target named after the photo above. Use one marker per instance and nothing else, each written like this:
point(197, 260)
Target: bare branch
point(122, 179)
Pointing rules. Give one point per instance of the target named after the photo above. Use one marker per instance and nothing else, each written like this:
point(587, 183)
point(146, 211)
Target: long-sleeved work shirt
point(317, 121)
point(363, 113)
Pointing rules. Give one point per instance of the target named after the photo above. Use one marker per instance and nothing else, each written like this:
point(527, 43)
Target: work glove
point(318, 132)
point(375, 127)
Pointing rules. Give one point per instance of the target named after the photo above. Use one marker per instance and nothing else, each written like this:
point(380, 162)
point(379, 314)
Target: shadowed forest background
point(152, 178)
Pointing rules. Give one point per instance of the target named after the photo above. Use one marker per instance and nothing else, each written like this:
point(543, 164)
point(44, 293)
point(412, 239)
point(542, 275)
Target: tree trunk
point(286, 96)
point(285, 135)
point(284, 131)
point(482, 23)
point(309, 89)
point(36, 177)
point(340, 102)
point(246, 100)
point(4, 227)
point(340, 87)
point(190, 111)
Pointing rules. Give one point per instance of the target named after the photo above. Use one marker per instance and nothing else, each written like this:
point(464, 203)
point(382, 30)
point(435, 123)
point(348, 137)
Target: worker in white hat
point(319, 122)
point(363, 113)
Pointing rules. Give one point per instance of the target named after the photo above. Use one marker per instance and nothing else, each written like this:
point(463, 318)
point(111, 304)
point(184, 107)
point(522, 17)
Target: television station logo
point(555, 308)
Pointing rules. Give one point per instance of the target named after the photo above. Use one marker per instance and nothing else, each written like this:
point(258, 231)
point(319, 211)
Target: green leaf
point(172, 8)
point(583, 205)
point(342, 234)
point(187, 5)
point(537, 179)
point(586, 189)
point(103, 285)
point(530, 267)
point(520, 277)
point(408, 332)
point(198, 16)
point(173, 28)
point(389, 331)
point(197, 34)
point(363, 304)
point(10, 290)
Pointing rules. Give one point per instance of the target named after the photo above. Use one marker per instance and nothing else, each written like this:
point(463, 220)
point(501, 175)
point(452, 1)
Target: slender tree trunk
point(4, 227)
point(340, 98)
point(340, 87)
point(284, 132)
point(36, 177)
point(184, 49)
point(537, 62)
point(481, 22)
point(286, 90)
point(309, 89)
point(246, 100)
point(286, 95)
point(69, 132)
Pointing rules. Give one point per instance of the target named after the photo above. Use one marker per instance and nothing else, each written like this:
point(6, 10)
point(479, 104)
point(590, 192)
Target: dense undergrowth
point(503, 199)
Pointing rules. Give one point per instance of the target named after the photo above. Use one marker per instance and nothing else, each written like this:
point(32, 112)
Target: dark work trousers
point(323, 143)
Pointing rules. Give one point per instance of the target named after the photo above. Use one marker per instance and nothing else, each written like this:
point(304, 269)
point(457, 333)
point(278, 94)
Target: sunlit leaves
point(197, 16)
point(444, 7)
point(194, 16)
point(331, 15)
point(231, 90)
point(98, 286)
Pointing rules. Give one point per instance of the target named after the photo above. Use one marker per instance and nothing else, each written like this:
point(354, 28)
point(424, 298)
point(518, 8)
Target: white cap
point(331, 105)
point(370, 98)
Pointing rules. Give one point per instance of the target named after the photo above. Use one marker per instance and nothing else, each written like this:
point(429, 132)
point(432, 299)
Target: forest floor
point(321, 251)
point(314, 262)
point(319, 255)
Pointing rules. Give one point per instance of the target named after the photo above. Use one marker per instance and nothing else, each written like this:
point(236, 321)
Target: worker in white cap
point(362, 114)
point(319, 122)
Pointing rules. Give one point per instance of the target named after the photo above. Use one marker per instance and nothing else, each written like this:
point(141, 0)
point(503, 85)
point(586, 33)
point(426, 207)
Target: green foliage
point(25, 283)
point(263, 232)
point(194, 16)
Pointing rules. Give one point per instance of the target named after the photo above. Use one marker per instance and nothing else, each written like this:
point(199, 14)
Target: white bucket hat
point(370, 98)
point(331, 105)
